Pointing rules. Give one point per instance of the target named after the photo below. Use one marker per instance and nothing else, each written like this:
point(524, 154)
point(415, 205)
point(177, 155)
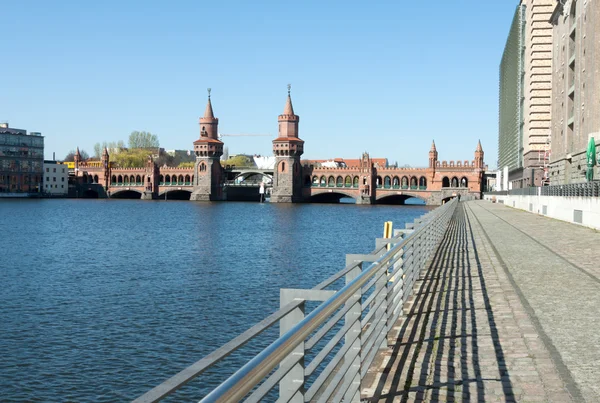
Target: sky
point(386, 77)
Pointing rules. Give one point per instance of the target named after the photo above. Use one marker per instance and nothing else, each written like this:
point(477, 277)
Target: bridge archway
point(447, 199)
point(400, 199)
point(175, 194)
point(332, 197)
point(126, 194)
point(445, 182)
point(253, 177)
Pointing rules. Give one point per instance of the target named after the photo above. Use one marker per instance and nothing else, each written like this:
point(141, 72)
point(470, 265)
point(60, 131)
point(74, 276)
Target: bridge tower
point(479, 156)
point(287, 148)
point(208, 172)
point(106, 168)
point(433, 155)
point(77, 160)
point(367, 181)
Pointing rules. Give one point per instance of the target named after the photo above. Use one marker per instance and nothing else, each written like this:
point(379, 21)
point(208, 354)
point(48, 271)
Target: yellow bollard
point(387, 233)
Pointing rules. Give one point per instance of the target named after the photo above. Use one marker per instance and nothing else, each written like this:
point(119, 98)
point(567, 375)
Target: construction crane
point(221, 135)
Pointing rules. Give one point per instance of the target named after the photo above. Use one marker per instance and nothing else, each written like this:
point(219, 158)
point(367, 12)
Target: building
point(576, 93)
point(525, 95)
point(55, 178)
point(21, 160)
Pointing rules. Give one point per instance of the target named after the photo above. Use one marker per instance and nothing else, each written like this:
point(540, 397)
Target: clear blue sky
point(385, 77)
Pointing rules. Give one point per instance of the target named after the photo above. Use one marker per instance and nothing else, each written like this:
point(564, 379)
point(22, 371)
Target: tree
point(143, 140)
point(70, 157)
point(131, 158)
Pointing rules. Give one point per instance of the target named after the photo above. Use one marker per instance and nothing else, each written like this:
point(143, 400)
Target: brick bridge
point(366, 180)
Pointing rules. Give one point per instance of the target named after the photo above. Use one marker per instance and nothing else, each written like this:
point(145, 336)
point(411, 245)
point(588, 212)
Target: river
point(101, 300)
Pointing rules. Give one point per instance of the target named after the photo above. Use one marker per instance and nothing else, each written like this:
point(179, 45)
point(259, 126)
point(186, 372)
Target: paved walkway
point(509, 310)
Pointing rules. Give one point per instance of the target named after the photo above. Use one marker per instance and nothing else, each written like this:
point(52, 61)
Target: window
point(47, 169)
point(63, 170)
point(47, 178)
point(54, 179)
point(54, 169)
point(62, 179)
point(62, 186)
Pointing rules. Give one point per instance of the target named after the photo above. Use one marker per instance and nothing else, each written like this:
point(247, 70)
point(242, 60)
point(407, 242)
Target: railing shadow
point(445, 303)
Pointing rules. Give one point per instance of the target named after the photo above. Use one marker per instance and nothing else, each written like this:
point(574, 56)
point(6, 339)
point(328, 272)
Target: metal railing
point(326, 354)
point(584, 189)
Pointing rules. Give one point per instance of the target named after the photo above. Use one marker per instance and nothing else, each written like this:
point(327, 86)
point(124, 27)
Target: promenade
point(508, 310)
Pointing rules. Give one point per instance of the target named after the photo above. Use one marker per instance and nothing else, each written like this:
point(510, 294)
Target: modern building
point(56, 178)
point(576, 93)
point(525, 95)
point(21, 161)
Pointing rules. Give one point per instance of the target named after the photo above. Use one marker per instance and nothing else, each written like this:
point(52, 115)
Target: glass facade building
point(512, 97)
point(21, 160)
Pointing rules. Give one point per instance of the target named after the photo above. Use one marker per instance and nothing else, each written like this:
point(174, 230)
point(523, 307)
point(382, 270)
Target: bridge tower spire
point(208, 172)
point(287, 148)
point(433, 155)
point(479, 156)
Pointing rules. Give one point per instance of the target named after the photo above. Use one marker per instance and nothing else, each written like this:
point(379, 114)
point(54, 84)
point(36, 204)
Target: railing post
point(354, 316)
point(291, 386)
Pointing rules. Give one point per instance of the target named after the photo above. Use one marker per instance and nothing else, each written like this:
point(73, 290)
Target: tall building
point(576, 93)
point(21, 160)
point(525, 94)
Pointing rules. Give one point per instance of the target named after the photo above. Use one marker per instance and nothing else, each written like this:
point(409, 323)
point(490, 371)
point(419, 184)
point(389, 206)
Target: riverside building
point(56, 178)
point(525, 95)
point(576, 93)
point(21, 161)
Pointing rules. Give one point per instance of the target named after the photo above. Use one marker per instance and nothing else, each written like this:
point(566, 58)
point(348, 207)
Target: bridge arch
point(331, 197)
point(396, 182)
point(464, 182)
point(355, 182)
point(413, 182)
point(175, 194)
point(445, 182)
point(339, 181)
point(387, 182)
point(399, 199)
point(331, 181)
point(404, 182)
point(125, 194)
point(422, 182)
point(454, 182)
point(243, 176)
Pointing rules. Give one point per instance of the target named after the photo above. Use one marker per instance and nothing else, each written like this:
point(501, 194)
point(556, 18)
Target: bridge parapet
point(343, 334)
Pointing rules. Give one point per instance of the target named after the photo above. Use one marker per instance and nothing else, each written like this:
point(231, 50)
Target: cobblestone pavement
point(555, 266)
point(476, 327)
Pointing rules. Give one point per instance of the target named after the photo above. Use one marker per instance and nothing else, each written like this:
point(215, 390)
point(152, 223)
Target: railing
point(584, 189)
point(325, 355)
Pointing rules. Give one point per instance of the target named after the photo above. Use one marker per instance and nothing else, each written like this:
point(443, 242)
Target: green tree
point(131, 158)
point(239, 161)
point(143, 140)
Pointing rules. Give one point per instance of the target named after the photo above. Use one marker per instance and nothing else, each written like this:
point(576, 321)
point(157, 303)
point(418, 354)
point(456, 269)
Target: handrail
point(379, 309)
